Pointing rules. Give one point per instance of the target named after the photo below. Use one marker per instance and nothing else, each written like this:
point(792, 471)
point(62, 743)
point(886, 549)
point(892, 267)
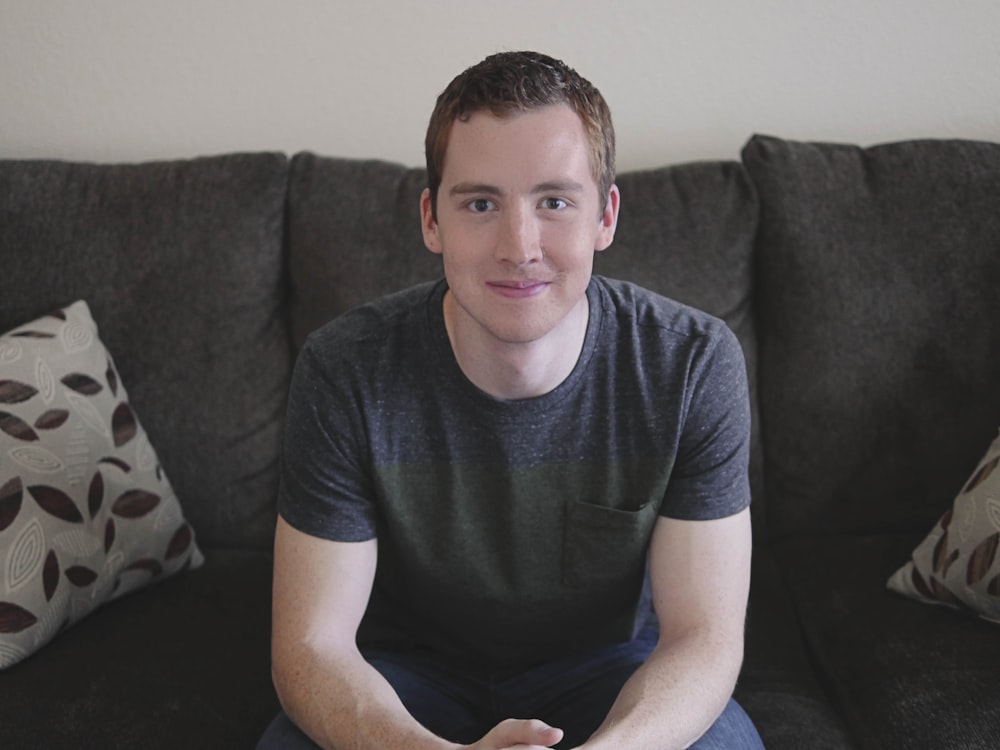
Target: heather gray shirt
point(513, 531)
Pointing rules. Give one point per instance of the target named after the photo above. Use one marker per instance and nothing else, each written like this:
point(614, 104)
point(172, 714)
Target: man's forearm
point(342, 702)
point(672, 699)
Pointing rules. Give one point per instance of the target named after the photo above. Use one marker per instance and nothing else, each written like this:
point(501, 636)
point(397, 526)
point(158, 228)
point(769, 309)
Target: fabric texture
point(182, 664)
point(958, 564)
point(353, 236)
point(778, 684)
point(550, 500)
point(181, 262)
point(86, 512)
point(901, 673)
point(876, 272)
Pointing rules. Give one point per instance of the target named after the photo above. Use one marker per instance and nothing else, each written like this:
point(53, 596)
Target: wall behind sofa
point(115, 80)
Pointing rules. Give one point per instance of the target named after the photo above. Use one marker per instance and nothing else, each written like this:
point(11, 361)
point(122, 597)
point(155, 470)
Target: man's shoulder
point(375, 320)
point(637, 306)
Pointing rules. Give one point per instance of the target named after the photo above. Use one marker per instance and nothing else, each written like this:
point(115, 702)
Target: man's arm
point(700, 577)
point(321, 590)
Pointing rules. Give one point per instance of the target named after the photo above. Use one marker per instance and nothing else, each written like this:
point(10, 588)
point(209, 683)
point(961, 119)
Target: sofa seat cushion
point(184, 664)
point(777, 685)
point(904, 674)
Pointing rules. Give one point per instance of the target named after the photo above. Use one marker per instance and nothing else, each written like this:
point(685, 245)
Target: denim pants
point(462, 703)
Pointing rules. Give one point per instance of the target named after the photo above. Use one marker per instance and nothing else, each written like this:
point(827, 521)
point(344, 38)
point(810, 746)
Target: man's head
point(508, 83)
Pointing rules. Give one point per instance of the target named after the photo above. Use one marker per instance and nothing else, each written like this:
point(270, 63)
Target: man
point(487, 479)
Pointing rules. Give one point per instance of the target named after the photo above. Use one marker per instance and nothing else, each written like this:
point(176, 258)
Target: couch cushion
point(353, 235)
point(86, 512)
point(183, 664)
point(904, 674)
point(777, 685)
point(181, 265)
point(877, 273)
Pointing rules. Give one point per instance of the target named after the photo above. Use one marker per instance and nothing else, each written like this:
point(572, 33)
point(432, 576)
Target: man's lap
point(462, 704)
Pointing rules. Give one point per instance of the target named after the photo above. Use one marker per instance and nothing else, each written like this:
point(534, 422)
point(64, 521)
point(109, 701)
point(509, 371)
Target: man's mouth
point(518, 288)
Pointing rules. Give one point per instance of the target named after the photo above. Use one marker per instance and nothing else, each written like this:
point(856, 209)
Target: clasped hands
point(519, 734)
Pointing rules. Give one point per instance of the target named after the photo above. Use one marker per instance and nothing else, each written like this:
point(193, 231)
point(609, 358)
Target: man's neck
point(512, 371)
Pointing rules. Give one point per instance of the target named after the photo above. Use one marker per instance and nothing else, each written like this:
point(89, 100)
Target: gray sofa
point(862, 283)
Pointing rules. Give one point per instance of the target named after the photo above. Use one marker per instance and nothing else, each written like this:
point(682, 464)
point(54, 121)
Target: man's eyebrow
point(559, 186)
point(469, 188)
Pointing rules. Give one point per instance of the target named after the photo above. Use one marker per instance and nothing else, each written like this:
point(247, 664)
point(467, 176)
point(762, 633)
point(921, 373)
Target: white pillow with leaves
point(86, 512)
point(958, 563)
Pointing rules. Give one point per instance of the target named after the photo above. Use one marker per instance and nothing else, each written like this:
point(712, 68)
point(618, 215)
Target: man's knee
point(733, 730)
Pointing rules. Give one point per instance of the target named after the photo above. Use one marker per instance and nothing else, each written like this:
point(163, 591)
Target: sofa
point(137, 482)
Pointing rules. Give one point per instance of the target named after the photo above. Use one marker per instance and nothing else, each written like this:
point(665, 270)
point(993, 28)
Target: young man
point(488, 480)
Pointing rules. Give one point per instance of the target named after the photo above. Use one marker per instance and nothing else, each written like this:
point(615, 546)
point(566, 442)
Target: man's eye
point(554, 204)
point(481, 205)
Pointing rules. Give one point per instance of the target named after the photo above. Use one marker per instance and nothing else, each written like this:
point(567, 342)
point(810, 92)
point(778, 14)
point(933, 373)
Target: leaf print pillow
point(86, 511)
point(958, 563)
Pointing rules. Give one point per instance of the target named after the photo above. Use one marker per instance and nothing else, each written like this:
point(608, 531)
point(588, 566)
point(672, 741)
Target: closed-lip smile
point(518, 288)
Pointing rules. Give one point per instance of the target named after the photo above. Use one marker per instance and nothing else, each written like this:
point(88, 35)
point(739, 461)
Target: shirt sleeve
point(325, 486)
point(710, 477)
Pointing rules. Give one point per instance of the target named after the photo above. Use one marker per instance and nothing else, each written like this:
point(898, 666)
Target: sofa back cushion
point(878, 276)
point(685, 231)
point(353, 235)
point(181, 265)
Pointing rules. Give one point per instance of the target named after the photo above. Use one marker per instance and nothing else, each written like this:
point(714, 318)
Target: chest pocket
point(606, 546)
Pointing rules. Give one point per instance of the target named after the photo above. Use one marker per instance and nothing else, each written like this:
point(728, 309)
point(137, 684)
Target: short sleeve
point(326, 488)
point(710, 477)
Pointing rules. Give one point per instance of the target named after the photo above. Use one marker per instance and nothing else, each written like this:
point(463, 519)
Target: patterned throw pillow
point(958, 563)
point(86, 513)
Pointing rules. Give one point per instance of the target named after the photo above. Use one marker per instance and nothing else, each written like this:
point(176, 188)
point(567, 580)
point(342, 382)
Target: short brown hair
point(510, 82)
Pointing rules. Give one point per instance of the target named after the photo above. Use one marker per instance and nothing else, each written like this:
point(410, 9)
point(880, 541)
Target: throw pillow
point(958, 562)
point(86, 512)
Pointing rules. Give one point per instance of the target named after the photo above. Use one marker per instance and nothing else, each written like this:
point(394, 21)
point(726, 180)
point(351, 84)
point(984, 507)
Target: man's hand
point(523, 734)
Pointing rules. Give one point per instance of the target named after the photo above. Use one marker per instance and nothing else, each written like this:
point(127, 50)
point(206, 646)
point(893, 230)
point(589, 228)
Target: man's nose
point(520, 240)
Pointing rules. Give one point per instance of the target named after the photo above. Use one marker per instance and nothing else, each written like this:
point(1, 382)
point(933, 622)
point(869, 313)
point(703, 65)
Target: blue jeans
point(462, 703)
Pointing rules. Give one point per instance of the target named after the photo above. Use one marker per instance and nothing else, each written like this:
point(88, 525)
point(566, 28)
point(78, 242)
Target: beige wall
point(139, 79)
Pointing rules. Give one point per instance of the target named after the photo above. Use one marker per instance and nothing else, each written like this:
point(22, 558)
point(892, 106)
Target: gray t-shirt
point(511, 532)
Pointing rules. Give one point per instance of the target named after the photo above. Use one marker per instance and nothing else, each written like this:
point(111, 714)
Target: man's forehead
point(545, 146)
point(564, 186)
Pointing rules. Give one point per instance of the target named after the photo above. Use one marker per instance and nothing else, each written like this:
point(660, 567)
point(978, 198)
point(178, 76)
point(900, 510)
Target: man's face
point(518, 221)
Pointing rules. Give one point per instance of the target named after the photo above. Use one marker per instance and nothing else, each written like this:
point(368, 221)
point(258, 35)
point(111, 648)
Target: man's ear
point(609, 220)
point(429, 225)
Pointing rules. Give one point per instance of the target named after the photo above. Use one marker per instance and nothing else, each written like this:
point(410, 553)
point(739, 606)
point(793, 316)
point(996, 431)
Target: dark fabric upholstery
point(182, 664)
point(777, 685)
point(877, 284)
point(687, 231)
point(906, 674)
point(877, 271)
point(181, 264)
point(353, 235)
